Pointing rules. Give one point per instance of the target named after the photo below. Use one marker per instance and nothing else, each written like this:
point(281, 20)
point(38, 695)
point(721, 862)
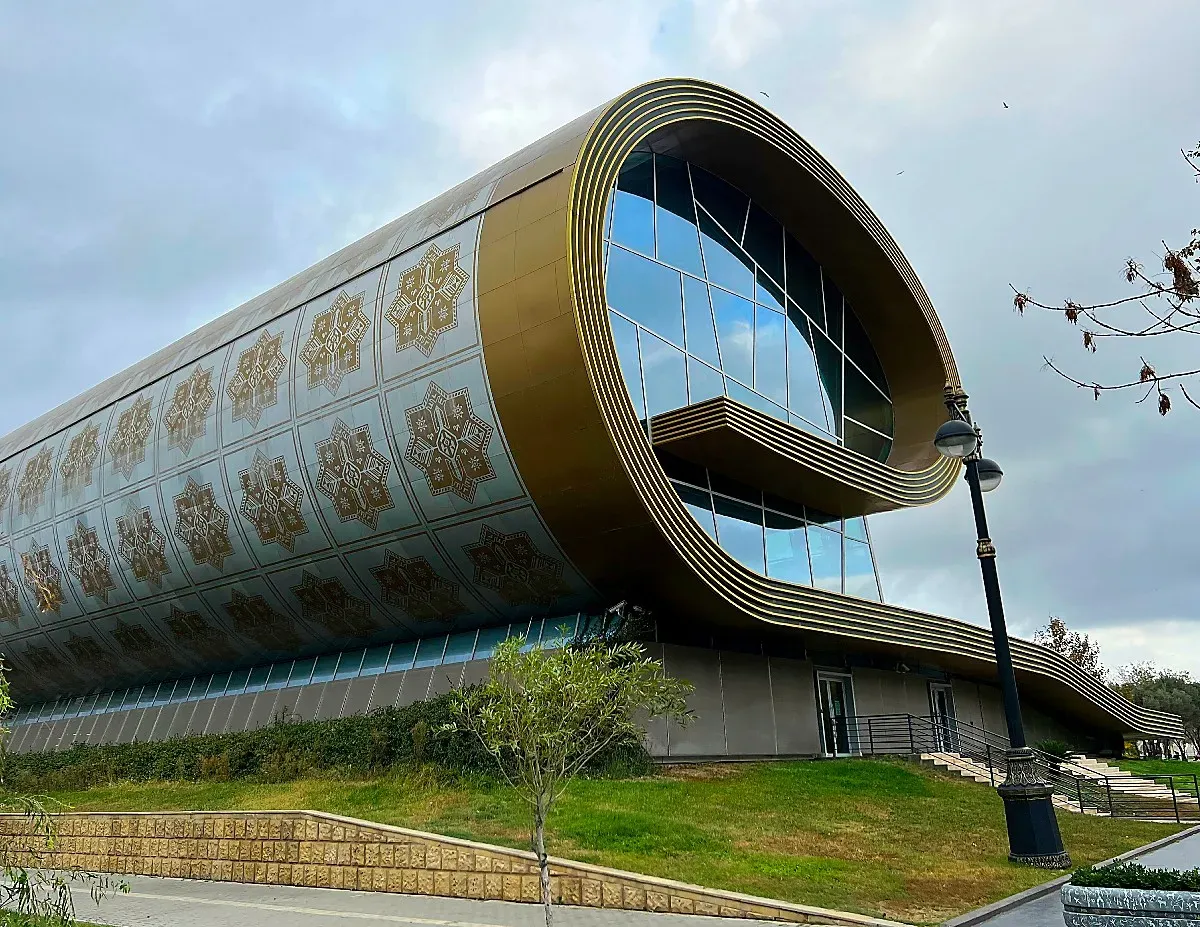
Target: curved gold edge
point(890, 488)
point(629, 120)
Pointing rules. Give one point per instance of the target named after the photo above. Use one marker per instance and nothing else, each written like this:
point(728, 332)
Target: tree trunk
point(539, 847)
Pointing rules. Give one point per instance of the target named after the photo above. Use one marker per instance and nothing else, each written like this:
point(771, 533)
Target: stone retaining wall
point(326, 851)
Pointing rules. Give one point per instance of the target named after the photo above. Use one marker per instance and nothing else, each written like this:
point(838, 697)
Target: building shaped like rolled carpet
point(663, 355)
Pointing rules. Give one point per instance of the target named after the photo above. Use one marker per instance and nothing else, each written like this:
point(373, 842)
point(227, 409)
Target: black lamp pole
point(1033, 835)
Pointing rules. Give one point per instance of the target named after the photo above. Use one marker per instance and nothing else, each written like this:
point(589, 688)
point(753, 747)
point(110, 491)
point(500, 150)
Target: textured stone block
point(409, 881)
point(475, 886)
point(425, 881)
point(611, 895)
point(680, 905)
point(441, 883)
point(493, 885)
point(590, 893)
point(634, 898)
point(657, 901)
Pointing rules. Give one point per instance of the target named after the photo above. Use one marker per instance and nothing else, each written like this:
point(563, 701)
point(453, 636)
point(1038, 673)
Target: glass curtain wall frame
point(349, 664)
point(709, 295)
point(777, 537)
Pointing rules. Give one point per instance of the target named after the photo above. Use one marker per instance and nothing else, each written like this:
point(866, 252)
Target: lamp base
point(1033, 835)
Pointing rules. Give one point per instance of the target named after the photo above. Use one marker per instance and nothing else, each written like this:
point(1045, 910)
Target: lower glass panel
point(825, 547)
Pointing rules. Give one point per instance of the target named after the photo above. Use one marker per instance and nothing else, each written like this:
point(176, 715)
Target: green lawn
point(1159, 767)
point(880, 837)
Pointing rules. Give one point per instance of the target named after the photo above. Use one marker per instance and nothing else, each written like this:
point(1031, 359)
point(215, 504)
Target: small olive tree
point(30, 893)
point(544, 714)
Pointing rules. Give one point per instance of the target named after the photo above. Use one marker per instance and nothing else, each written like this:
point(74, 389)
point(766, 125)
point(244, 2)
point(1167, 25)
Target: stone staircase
point(1124, 782)
point(970, 769)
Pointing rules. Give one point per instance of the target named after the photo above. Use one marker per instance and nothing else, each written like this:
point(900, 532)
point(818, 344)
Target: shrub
point(285, 750)
point(1134, 875)
point(1055, 749)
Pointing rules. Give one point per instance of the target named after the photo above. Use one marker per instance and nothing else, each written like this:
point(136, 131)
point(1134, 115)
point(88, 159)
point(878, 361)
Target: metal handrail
point(1175, 797)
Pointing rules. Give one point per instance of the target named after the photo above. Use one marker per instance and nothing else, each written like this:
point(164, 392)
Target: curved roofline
point(587, 460)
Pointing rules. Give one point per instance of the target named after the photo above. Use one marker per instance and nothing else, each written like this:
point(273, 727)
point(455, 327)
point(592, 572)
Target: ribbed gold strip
point(627, 122)
point(891, 487)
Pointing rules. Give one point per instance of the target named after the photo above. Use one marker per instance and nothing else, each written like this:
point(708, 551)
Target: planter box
point(1129, 907)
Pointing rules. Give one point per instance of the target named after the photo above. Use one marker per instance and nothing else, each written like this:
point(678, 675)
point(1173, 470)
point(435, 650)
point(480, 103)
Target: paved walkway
point(178, 903)
point(1047, 911)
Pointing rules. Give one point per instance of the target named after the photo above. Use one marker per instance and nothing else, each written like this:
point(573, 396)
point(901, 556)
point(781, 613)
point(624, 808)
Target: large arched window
point(709, 295)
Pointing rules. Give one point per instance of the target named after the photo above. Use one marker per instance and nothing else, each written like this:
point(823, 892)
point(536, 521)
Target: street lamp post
point(1033, 836)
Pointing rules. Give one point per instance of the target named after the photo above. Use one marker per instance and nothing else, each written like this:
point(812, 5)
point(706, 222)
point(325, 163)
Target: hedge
point(368, 744)
point(1134, 875)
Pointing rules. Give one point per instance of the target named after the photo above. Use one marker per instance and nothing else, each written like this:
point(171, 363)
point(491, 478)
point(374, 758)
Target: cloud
point(556, 62)
point(166, 162)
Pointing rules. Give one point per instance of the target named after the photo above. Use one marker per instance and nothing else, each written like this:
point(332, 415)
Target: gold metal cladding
point(762, 451)
point(582, 453)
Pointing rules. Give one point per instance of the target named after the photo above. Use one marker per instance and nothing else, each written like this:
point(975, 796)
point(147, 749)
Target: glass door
point(941, 704)
point(836, 706)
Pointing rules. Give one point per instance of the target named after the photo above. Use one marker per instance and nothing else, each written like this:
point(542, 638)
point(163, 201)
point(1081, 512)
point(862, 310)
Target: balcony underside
point(751, 446)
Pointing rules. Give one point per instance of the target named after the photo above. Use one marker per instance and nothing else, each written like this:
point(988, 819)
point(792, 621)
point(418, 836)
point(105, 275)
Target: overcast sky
point(163, 162)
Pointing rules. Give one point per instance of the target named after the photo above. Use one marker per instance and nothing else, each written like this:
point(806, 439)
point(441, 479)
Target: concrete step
point(1151, 800)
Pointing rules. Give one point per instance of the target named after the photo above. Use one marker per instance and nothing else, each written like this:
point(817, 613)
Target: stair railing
point(975, 750)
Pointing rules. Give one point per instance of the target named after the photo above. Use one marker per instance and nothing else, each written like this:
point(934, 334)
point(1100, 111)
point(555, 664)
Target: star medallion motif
point(42, 659)
point(448, 442)
point(327, 602)
point(426, 303)
point(143, 546)
point(33, 482)
point(332, 349)
point(136, 641)
point(198, 636)
point(353, 474)
point(255, 384)
point(128, 443)
point(43, 578)
point(511, 565)
point(86, 651)
point(186, 417)
point(88, 561)
point(202, 525)
point(254, 618)
point(271, 502)
point(10, 597)
point(75, 469)
point(411, 585)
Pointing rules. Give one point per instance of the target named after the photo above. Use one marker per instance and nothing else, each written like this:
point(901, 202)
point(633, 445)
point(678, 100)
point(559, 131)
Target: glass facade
point(778, 537)
point(709, 295)
point(350, 664)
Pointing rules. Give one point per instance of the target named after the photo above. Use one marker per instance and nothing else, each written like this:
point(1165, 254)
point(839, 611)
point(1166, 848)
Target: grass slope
point(1187, 768)
point(886, 838)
